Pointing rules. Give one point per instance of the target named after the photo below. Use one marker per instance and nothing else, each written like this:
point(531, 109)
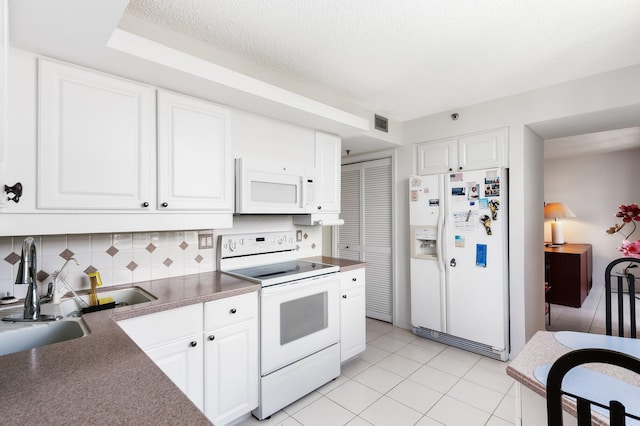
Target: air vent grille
point(381, 123)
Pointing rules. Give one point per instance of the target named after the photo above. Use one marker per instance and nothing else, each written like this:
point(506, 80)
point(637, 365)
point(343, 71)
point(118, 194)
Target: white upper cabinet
point(327, 173)
point(99, 165)
point(437, 157)
point(194, 154)
point(96, 137)
point(470, 152)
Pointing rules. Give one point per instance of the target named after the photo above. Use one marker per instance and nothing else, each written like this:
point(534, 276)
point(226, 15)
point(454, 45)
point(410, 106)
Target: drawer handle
point(354, 279)
point(233, 310)
point(193, 344)
point(212, 338)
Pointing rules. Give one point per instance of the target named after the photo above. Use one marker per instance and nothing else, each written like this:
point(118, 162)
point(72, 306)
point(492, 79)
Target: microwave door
point(270, 192)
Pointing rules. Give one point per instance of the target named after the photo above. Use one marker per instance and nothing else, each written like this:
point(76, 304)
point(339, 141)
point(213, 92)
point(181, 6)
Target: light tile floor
point(402, 379)
point(590, 317)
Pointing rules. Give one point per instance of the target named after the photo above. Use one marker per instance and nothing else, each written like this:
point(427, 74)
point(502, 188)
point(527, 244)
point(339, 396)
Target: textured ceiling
point(410, 58)
point(592, 143)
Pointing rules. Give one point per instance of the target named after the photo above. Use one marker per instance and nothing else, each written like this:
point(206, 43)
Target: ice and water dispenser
point(424, 242)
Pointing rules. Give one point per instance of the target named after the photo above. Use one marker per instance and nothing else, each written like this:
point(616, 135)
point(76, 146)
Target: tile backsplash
point(126, 258)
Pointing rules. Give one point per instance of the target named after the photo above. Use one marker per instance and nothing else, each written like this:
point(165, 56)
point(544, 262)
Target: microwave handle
point(303, 197)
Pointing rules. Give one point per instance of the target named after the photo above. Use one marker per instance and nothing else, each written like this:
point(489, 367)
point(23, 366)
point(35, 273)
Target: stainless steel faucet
point(27, 275)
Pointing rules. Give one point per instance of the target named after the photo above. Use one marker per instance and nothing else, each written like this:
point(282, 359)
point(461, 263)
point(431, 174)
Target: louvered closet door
point(366, 233)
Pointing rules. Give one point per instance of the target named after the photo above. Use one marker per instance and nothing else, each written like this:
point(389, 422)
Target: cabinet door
point(437, 157)
point(352, 314)
point(95, 140)
point(182, 362)
point(195, 168)
point(482, 150)
point(327, 173)
point(231, 371)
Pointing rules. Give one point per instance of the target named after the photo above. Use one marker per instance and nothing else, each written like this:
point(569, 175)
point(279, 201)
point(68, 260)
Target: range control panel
point(235, 245)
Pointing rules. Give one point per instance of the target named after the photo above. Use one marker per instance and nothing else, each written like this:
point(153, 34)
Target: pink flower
point(631, 249)
point(629, 214)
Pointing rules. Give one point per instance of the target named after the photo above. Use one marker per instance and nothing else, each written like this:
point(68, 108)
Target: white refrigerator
point(459, 260)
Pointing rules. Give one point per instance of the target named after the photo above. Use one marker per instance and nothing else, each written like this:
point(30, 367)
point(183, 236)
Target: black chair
point(626, 275)
point(573, 359)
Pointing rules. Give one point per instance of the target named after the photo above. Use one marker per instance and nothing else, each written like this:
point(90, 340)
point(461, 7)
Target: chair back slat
point(570, 360)
point(620, 280)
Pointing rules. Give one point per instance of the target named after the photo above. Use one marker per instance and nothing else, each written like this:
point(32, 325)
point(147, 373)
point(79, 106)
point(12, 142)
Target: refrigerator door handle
point(452, 262)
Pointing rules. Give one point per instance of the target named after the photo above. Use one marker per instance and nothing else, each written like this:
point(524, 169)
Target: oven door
point(298, 319)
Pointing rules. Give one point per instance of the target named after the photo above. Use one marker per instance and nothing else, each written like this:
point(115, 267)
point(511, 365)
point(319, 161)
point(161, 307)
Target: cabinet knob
point(450, 169)
point(165, 204)
point(145, 204)
point(319, 207)
point(460, 168)
point(344, 296)
point(212, 338)
point(16, 190)
point(233, 310)
point(193, 344)
point(354, 279)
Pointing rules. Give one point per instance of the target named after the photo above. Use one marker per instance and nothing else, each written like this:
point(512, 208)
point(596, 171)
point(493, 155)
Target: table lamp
point(556, 211)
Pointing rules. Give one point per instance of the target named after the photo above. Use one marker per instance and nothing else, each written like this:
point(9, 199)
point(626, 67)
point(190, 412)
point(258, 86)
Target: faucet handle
point(49, 297)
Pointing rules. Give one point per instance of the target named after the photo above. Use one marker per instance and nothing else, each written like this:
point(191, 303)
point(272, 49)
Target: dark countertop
point(104, 378)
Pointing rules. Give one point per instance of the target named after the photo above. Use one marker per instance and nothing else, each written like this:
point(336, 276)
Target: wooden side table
point(569, 269)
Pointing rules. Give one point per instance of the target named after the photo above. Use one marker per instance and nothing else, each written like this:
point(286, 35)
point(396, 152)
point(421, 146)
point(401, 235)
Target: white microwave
point(270, 189)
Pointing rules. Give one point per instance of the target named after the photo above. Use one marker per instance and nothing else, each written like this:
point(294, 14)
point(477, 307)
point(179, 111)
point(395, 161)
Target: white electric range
point(299, 315)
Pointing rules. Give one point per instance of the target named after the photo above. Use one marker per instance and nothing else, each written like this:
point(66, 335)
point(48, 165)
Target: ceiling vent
point(381, 123)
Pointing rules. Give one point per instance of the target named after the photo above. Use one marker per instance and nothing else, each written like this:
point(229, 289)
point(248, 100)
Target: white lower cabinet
point(352, 314)
point(173, 340)
point(231, 357)
point(181, 361)
point(217, 369)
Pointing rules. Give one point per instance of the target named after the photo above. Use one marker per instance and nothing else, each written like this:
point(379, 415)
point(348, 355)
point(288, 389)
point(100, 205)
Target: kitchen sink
point(22, 336)
point(122, 297)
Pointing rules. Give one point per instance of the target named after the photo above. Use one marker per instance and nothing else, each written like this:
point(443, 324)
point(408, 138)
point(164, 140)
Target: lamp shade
point(557, 210)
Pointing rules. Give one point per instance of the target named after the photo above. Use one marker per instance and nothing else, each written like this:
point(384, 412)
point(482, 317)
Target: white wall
point(593, 186)
point(602, 92)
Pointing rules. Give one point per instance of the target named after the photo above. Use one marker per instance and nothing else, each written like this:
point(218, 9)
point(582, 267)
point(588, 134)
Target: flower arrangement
point(630, 215)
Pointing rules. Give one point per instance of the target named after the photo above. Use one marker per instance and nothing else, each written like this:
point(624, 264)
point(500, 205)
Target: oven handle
point(299, 285)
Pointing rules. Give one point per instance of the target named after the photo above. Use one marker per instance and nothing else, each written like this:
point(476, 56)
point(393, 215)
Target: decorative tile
point(41, 276)
point(132, 266)
point(305, 236)
point(151, 247)
point(66, 254)
point(167, 262)
point(183, 245)
point(90, 270)
point(112, 251)
point(13, 258)
point(297, 247)
point(313, 246)
point(198, 258)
